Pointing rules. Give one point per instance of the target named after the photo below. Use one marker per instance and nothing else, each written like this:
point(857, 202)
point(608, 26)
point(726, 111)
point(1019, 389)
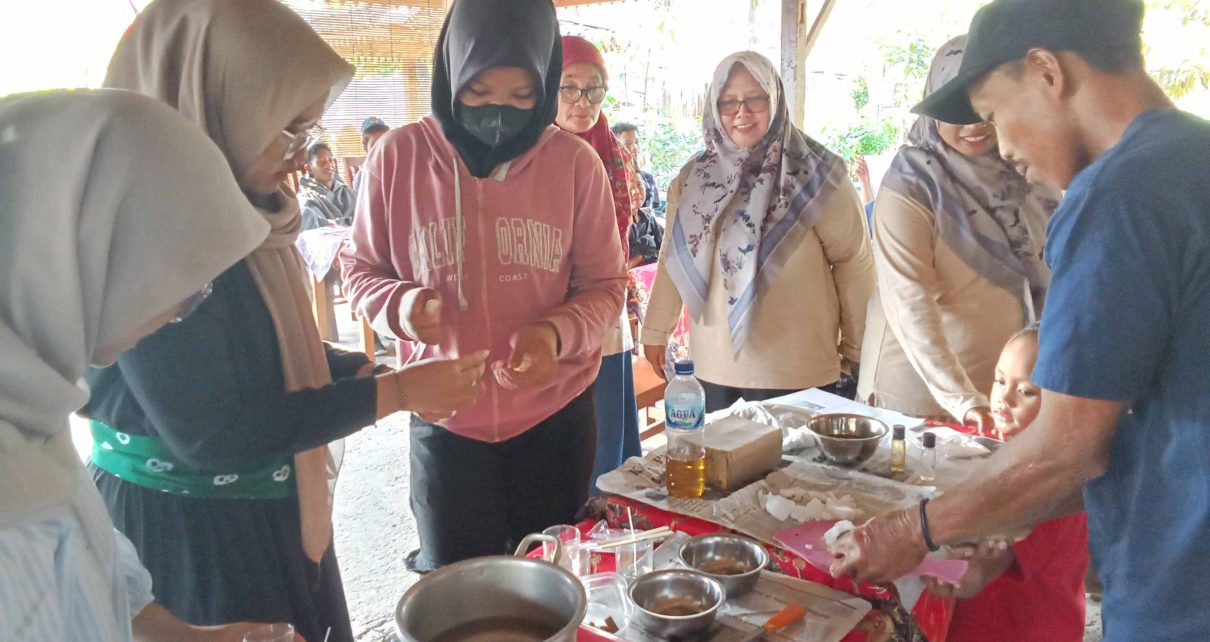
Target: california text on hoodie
point(532, 249)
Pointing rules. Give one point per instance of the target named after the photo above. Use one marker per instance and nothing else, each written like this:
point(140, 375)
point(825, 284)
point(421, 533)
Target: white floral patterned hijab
point(986, 211)
point(114, 224)
point(750, 208)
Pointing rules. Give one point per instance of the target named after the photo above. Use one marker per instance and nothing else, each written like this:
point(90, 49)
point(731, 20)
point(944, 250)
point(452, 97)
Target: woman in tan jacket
point(766, 245)
point(958, 237)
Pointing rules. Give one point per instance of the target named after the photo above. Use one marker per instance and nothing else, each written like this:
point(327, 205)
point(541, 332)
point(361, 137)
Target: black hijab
point(479, 35)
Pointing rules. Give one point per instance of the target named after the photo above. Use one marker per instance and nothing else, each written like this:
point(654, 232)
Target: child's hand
point(980, 418)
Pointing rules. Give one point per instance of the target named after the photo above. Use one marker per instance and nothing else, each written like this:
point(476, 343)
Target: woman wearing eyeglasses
point(582, 90)
point(767, 247)
point(211, 437)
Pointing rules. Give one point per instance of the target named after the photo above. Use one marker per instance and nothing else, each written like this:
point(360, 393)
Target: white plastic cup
point(271, 633)
point(634, 560)
point(573, 555)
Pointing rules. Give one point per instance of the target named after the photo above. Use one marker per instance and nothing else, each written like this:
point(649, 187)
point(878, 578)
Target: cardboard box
point(739, 452)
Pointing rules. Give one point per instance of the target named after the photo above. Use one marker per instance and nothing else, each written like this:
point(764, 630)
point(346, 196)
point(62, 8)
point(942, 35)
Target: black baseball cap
point(1006, 30)
point(373, 124)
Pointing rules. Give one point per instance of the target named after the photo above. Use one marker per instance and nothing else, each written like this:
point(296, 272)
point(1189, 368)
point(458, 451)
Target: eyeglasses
point(297, 142)
point(572, 95)
point(754, 105)
point(190, 305)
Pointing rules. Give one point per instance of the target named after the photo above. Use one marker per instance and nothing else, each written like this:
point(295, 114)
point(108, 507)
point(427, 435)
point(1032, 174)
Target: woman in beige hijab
point(83, 276)
point(212, 437)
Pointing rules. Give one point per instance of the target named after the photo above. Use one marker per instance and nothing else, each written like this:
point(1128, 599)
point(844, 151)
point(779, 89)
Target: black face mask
point(493, 125)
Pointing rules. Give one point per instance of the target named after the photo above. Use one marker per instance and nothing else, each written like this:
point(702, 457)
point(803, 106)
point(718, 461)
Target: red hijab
point(619, 165)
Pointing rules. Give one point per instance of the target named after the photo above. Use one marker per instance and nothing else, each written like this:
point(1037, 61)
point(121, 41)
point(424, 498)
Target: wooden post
point(793, 67)
point(320, 305)
point(367, 337)
point(817, 26)
point(796, 44)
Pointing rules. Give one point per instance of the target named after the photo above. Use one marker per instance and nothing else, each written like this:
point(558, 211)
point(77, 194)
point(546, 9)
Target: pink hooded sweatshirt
point(539, 243)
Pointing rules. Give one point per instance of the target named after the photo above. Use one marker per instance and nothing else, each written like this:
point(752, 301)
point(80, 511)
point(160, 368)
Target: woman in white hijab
point(212, 436)
point(86, 270)
point(765, 245)
point(958, 238)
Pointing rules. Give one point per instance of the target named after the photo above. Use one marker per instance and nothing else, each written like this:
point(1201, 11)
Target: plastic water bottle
point(669, 363)
point(685, 411)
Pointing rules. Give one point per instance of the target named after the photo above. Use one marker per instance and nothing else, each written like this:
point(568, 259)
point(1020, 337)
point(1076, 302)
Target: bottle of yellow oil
point(898, 452)
point(685, 412)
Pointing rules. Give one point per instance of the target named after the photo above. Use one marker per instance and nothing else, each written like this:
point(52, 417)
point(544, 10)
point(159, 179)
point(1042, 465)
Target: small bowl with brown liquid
point(847, 439)
point(734, 561)
point(676, 603)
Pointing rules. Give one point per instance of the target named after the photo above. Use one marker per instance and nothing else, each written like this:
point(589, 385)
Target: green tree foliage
point(1176, 44)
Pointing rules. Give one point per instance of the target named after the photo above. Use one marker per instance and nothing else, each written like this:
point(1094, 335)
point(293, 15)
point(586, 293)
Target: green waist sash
point(146, 462)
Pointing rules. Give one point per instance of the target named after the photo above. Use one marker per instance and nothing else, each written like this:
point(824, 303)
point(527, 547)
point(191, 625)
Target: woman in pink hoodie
point(483, 227)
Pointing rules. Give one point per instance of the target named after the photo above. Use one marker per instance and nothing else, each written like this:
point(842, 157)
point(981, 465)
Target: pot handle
point(533, 538)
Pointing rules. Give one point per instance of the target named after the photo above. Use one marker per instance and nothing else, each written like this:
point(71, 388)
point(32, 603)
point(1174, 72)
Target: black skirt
point(215, 561)
point(473, 498)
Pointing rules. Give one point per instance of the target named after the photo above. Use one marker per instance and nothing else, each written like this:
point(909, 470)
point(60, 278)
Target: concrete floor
point(374, 527)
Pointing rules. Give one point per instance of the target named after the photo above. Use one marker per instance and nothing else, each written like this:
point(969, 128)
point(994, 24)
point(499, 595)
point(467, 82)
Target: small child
point(1034, 590)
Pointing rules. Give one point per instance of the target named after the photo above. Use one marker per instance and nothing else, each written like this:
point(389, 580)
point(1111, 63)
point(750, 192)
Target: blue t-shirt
point(1128, 319)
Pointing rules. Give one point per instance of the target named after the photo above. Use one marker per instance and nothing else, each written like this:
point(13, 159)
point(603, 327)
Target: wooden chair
point(321, 302)
point(648, 391)
point(352, 166)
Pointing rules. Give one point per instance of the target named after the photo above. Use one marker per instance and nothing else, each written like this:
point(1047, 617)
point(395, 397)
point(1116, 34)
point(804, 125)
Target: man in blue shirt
point(1125, 336)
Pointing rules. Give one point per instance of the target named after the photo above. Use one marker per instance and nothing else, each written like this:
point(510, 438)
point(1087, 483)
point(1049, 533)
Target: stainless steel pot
point(496, 599)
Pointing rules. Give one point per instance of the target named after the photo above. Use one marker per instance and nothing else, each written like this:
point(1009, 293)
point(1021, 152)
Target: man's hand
point(420, 311)
point(534, 358)
point(881, 550)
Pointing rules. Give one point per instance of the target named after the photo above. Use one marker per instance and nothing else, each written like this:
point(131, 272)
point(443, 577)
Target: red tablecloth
point(931, 613)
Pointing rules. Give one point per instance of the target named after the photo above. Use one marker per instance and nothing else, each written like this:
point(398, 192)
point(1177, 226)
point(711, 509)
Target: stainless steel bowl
point(846, 439)
point(676, 602)
point(494, 599)
point(736, 562)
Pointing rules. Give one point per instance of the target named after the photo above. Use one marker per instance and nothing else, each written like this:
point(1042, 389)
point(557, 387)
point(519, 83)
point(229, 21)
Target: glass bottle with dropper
point(928, 466)
point(898, 452)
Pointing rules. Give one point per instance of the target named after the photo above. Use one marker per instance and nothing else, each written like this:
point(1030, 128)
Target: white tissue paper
point(834, 533)
point(815, 508)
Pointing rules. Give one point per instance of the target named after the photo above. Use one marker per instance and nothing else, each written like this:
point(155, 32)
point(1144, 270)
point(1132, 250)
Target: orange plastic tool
point(780, 620)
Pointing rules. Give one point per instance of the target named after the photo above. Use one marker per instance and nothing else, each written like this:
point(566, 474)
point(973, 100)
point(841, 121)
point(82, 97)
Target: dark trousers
point(617, 416)
point(473, 498)
point(719, 397)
